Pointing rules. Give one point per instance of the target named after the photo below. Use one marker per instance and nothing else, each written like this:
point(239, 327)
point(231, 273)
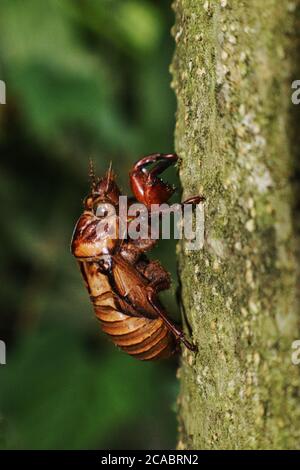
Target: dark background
point(84, 79)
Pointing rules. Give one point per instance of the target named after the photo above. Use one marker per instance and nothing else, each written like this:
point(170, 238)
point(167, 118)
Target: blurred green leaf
point(134, 26)
point(70, 401)
point(84, 79)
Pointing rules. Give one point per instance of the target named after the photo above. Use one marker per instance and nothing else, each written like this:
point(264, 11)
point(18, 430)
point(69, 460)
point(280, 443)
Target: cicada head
point(104, 190)
point(96, 232)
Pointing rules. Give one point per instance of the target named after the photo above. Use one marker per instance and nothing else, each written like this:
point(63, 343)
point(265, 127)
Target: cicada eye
point(102, 213)
point(102, 210)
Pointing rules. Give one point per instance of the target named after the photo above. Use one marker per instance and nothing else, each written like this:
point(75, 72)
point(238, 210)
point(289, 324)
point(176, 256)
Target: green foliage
point(70, 399)
point(83, 79)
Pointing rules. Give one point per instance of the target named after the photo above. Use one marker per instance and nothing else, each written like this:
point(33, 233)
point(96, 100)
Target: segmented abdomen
point(141, 337)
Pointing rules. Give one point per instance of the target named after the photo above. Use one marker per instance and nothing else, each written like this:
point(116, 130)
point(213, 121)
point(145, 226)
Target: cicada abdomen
point(141, 337)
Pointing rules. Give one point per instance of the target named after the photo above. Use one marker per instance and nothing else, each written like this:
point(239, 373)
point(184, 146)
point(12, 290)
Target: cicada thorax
point(138, 335)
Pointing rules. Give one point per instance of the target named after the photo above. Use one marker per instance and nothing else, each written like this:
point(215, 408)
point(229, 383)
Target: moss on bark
point(232, 75)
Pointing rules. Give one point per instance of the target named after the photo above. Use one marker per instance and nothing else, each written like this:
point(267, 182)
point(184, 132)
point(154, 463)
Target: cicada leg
point(178, 333)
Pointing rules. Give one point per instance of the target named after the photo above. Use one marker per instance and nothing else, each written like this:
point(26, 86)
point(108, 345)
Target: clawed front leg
point(164, 161)
point(147, 187)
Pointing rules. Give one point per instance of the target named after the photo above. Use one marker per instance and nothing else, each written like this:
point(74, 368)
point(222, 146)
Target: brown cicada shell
point(122, 282)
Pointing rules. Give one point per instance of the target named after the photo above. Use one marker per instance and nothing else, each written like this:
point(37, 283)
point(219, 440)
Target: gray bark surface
point(232, 74)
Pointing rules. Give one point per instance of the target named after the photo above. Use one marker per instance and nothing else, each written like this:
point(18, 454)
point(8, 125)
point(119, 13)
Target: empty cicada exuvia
point(122, 282)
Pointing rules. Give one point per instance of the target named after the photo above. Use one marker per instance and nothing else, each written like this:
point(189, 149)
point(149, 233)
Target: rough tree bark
point(232, 74)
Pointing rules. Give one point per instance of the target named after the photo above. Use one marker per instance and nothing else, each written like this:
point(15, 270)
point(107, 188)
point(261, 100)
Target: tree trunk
point(232, 74)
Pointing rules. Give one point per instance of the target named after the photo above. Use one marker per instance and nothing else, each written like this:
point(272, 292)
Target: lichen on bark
point(232, 74)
